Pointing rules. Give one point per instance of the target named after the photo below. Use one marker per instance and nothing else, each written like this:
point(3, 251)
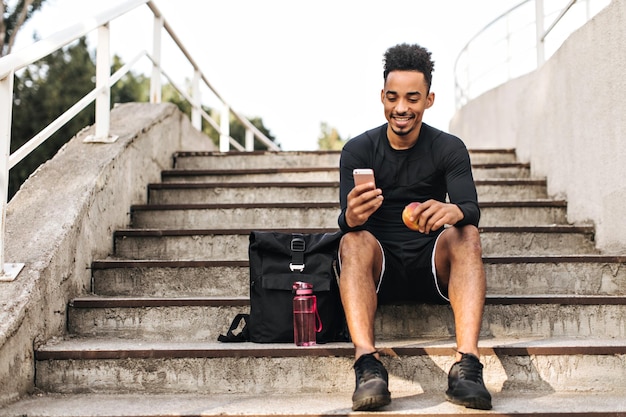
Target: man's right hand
point(363, 201)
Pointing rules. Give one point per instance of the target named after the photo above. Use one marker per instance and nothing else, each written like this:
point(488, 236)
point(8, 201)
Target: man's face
point(405, 96)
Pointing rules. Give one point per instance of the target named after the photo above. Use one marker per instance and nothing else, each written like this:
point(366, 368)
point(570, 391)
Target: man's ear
point(382, 96)
point(430, 100)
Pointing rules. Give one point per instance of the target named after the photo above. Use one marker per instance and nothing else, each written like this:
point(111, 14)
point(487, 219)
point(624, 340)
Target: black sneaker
point(371, 390)
point(465, 384)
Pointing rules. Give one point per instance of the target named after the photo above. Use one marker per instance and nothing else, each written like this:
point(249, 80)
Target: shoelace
point(367, 367)
point(470, 369)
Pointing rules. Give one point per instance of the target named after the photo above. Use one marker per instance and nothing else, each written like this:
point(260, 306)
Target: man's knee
point(355, 243)
point(461, 250)
point(464, 239)
point(467, 235)
point(360, 252)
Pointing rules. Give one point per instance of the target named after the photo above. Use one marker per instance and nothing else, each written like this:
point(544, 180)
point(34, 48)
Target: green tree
point(329, 138)
point(12, 19)
point(46, 89)
point(42, 92)
point(131, 87)
point(238, 132)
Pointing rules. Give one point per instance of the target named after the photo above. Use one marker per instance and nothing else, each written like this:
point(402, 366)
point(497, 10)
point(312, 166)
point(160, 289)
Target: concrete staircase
point(145, 342)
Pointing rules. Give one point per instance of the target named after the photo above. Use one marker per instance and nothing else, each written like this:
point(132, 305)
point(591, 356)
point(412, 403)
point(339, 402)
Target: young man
point(382, 260)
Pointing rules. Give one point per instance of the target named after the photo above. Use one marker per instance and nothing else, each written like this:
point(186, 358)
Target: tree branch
point(23, 13)
point(3, 28)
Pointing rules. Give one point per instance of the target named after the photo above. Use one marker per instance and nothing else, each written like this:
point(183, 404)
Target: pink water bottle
point(305, 316)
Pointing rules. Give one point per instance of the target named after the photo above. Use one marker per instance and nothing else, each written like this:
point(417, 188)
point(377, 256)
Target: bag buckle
point(296, 267)
point(297, 244)
point(297, 253)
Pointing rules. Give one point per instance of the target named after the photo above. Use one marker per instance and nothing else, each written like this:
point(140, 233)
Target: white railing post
point(7, 272)
point(539, 26)
point(103, 98)
point(509, 48)
point(103, 73)
point(225, 129)
point(155, 79)
point(196, 116)
point(249, 140)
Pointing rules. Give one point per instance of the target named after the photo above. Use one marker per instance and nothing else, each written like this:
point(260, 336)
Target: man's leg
point(458, 260)
point(361, 266)
point(459, 264)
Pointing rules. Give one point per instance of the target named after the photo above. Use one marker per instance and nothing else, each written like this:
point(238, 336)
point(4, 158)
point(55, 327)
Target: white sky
point(295, 64)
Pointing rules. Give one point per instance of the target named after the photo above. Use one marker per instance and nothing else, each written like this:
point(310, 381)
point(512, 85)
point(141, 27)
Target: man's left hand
point(433, 215)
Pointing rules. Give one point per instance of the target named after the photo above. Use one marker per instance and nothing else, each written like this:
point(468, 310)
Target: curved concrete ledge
point(568, 120)
point(63, 218)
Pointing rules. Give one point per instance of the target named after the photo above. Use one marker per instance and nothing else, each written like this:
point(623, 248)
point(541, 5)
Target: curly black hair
point(405, 57)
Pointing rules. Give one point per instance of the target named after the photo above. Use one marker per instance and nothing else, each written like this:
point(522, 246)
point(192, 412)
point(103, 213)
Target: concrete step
point(523, 213)
point(205, 318)
point(512, 365)
point(315, 192)
point(235, 216)
point(537, 240)
point(285, 159)
point(430, 404)
point(500, 170)
point(261, 175)
point(580, 275)
point(511, 189)
point(255, 160)
point(313, 174)
point(487, 156)
point(225, 245)
point(312, 215)
point(533, 275)
point(215, 193)
point(155, 278)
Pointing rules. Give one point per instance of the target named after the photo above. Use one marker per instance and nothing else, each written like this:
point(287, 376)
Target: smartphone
point(363, 175)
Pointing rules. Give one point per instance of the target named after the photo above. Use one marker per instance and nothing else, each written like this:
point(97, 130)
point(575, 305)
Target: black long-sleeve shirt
point(438, 165)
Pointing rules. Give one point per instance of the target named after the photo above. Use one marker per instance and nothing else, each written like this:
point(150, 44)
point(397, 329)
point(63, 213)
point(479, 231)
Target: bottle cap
point(302, 288)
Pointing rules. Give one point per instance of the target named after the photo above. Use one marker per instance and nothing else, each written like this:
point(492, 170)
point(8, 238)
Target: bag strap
point(243, 336)
point(319, 326)
point(297, 248)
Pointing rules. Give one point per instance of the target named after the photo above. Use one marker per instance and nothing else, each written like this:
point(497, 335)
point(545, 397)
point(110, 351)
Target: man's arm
point(462, 208)
point(460, 183)
point(357, 203)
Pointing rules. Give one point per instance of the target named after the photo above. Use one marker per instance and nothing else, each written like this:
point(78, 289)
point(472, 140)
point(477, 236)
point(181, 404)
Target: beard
point(401, 132)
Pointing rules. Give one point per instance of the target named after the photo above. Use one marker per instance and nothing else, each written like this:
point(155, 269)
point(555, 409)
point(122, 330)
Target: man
point(382, 260)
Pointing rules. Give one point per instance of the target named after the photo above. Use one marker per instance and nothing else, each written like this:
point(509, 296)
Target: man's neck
point(403, 142)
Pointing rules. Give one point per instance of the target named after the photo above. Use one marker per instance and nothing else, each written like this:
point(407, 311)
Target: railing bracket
point(10, 272)
point(94, 139)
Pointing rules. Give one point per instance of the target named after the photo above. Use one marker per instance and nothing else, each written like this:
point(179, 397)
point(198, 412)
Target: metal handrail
point(557, 20)
point(14, 62)
point(467, 79)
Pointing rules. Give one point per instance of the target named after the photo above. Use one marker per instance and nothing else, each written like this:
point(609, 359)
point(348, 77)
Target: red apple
point(406, 214)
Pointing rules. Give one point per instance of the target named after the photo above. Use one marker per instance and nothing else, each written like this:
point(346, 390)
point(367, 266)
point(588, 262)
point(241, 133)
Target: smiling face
point(405, 96)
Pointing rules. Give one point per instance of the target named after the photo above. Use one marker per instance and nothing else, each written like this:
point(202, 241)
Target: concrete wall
point(568, 119)
point(63, 218)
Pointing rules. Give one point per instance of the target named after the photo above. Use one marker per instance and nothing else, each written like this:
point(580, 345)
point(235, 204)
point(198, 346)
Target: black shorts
point(410, 278)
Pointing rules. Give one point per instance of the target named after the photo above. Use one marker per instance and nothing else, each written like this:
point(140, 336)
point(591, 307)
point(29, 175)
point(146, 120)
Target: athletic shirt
point(436, 167)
